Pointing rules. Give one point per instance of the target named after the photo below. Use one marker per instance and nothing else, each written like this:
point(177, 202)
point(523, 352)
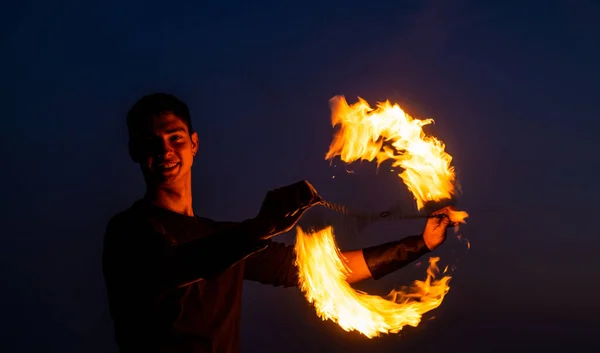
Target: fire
point(385, 133)
point(323, 273)
point(388, 133)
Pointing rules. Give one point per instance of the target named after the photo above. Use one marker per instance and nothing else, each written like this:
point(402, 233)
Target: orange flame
point(323, 273)
point(389, 133)
point(385, 133)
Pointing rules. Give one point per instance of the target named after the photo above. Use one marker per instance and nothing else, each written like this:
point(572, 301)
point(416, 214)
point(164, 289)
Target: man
point(174, 279)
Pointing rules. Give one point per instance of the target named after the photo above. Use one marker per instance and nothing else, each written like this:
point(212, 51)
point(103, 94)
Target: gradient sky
point(513, 89)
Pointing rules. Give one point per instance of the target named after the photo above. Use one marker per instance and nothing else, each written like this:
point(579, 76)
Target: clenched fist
point(283, 207)
point(435, 229)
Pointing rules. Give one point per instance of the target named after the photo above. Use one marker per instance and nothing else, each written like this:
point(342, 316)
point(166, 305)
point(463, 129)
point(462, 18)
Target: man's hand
point(283, 207)
point(435, 229)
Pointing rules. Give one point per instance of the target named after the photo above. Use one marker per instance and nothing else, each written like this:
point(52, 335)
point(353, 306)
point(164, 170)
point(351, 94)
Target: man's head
point(161, 138)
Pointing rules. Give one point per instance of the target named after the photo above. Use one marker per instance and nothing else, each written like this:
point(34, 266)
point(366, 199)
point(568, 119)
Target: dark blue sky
point(513, 88)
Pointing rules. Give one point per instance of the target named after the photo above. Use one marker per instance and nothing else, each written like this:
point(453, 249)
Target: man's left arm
point(381, 260)
point(275, 265)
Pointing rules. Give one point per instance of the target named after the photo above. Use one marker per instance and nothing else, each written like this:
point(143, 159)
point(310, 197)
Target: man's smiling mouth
point(166, 166)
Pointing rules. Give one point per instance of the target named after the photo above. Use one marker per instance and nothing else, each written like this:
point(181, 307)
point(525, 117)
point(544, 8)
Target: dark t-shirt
point(174, 282)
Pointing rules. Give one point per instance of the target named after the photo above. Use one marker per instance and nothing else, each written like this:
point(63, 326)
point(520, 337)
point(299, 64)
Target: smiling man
point(174, 278)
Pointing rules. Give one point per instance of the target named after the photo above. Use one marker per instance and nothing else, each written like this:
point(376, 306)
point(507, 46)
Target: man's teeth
point(170, 165)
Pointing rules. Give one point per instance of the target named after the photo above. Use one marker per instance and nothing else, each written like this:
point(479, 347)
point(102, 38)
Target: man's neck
point(177, 198)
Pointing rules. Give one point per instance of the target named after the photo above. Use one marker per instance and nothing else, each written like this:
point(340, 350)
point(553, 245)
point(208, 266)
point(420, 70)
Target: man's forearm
point(386, 258)
point(381, 260)
point(359, 271)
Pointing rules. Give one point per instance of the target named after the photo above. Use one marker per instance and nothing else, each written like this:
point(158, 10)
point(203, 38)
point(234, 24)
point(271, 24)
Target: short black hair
point(153, 105)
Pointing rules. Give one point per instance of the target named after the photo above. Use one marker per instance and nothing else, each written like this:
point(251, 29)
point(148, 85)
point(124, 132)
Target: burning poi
point(385, 133)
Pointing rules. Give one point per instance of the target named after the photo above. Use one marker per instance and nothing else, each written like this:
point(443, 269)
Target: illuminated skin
point(434, 233)
point(166, 157)
point(166, 153)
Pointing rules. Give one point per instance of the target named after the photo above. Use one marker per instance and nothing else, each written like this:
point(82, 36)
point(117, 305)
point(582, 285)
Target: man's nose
point(164, 148)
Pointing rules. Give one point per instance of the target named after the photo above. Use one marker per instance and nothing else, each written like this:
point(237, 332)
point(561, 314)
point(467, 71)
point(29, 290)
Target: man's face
point(167, 150)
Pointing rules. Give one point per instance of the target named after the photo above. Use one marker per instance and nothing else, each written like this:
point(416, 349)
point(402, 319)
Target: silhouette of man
point(174, 278)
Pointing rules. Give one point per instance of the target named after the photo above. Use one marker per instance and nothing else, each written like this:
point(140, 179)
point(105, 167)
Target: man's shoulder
point(130, 215)
point(131, 220)
point(126, 229)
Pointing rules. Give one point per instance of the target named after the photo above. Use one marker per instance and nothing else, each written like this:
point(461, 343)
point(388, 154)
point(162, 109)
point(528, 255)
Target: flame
point(389, 133)
point(385, 133)
point(323, 273)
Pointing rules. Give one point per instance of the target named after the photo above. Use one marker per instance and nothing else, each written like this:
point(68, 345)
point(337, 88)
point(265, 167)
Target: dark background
point(513, 87)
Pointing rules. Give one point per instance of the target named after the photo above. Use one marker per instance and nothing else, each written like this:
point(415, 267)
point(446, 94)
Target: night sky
point(514, 90)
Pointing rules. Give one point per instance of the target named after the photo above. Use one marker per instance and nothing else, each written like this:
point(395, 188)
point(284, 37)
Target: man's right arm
point(137, 253)
point(133, 251)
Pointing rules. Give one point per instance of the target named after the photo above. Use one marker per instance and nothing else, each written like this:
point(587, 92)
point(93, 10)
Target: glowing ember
point(323, 274)
point(385, 133)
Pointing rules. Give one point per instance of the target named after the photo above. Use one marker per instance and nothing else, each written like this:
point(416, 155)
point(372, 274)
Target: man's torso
point(200, 317)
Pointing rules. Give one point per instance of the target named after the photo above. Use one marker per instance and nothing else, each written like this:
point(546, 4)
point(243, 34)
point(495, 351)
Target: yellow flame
point(323, 273)
point(389, 133)
point(385, 133)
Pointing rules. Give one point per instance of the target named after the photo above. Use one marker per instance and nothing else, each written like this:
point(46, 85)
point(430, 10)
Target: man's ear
point(195, 143)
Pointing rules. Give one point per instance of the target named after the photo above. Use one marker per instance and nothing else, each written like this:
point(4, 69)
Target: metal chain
point(344, 210)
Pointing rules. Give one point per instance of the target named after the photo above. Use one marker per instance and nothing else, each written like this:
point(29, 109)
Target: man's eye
point(176, 138)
